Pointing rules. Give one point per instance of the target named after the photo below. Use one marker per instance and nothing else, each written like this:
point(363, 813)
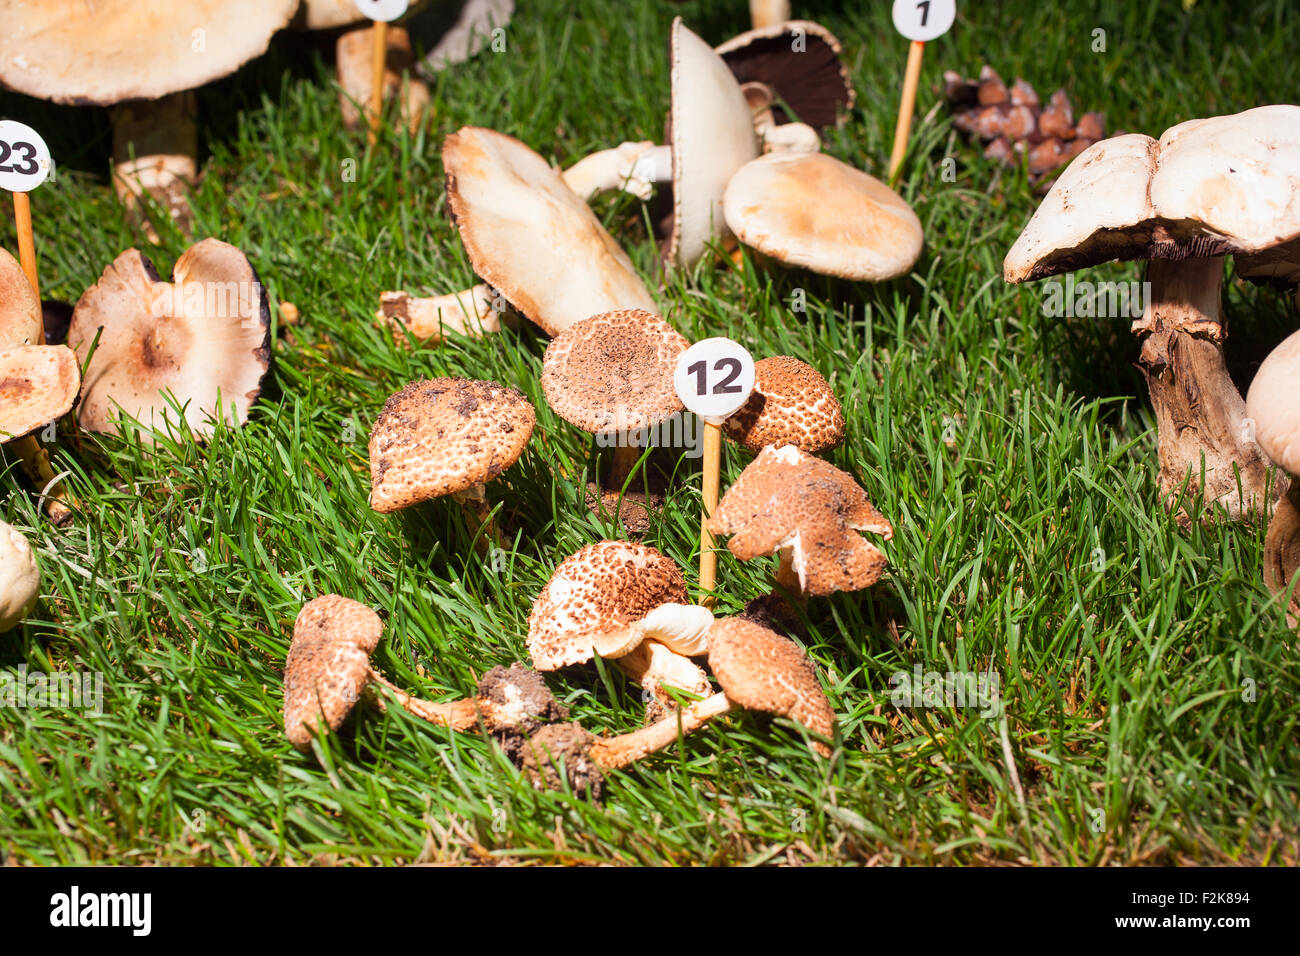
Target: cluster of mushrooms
point(740, 163)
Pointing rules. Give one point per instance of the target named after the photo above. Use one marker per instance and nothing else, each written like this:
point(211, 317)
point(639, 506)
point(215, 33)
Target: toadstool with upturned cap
point(757, 668)
point(204, 338)
point(446, 436)
point(20, 577)
point(791, 405)
point(328, 667)
point(1206, 189)
point(607, 599)
point(612, 375)
point(1273, 403)
point(812, 211)
point(810, 513)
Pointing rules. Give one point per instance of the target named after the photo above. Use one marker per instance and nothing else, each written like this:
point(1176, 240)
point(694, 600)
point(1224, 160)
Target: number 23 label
point(24, 157)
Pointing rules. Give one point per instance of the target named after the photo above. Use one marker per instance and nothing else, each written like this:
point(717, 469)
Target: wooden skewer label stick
point(714, 378)
point(382, 12)
point(920, 21)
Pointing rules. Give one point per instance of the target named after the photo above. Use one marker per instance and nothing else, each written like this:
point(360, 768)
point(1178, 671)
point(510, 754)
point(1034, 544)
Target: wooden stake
point(712, 479)
point(906, 108)
point(378, 62)
point(36, 461)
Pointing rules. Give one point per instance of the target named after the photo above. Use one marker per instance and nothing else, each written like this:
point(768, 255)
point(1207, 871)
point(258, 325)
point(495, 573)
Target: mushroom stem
point(626, 455)
point(616, 752)
point(36, 463)
point(470, 312)
point(1282, 551)
point(768, 13)
point(789, 138)
point(479, 512)
point(624, 167)
point(461, 715)
point(1200, 415)
point(155, 150)
point(656, 668)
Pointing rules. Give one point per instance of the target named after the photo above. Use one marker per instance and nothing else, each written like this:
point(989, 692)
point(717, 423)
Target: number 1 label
point(924, 20)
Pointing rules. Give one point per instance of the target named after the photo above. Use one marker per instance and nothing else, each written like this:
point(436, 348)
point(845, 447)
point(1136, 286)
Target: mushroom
point(145, 53)
point(805, 509)
point(791, 405)
point(530, 236)
point(20, 577)
point(757, 668)
point(817, 213)
point(711, 135)
point(328, 667)
point(447, 436)
point(38, 383)
point(792, 65)
point(203, 339)
point(612, 375)
point(608, 599)
point(1273, 404)
point(471, 312)
point(768, 13)
point(1207, 188)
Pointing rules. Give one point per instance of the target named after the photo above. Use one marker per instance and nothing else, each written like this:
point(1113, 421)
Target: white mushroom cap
point(20, 308)
point(205, 337)
point(594, 600)
point(20, 578)
point(1208, 187)
point(72, 51)
point(712, 137)
point(38, 384)
point(813, 211)
point(531, 237)
point(1274, 404)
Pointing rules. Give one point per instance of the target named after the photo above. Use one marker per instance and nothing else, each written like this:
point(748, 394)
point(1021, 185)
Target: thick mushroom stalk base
point(1200, 414)
point(615, 752)
point(1282, 551)
point(155, 153)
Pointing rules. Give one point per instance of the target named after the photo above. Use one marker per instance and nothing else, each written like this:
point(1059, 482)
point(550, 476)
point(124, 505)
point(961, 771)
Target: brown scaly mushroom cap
point(595, 598)
point(791, 405)
point(38, 384)
point(205, 337)
point(531, 237)
point(444, 436)
point(613, 373)
point(74, 52)
point(812, 211)
point(20, 309)
point(813, 82)
point(761, 670)
point(786, 499)
point(328, 665)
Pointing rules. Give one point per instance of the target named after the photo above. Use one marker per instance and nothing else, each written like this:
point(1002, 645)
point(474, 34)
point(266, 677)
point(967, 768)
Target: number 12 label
point(714, 378)
point(24, 157)
point(924, 20)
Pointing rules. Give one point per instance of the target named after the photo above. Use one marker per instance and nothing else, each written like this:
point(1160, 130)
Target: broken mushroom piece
point(354, 54)
point(757, 668)
point(811, 514)
point(1273, 404)
point(1206, 189)
point(203, 339)
point(791, 67)
point(607, 599)
point(791, 405)
point(328, 667)
point(530, 237)
point(447, 436)
point(471, 312)
point(20, 577)
point(817, 213)
point(143, 52)
point(612, 375)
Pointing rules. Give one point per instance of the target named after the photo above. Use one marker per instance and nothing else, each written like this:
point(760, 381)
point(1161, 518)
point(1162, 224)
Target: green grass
point(1014, 454)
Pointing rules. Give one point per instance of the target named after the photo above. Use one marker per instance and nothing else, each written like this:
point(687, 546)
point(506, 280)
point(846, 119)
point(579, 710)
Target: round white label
point(24, 157)
point(384, 10)
point(714, 377)
point(924, 20)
